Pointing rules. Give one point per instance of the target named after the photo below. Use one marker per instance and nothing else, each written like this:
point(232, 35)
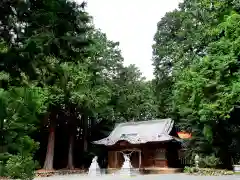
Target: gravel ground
point(141, 177)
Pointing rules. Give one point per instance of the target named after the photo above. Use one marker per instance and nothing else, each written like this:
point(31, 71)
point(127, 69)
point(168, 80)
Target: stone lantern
point(196, 159)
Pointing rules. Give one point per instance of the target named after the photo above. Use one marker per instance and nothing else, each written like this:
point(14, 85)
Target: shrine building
point(150, 144)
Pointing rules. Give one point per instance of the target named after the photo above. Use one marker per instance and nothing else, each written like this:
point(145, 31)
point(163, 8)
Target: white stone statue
point(94, 159)
point(126, 167)
point(94, 169)
point(126, 158)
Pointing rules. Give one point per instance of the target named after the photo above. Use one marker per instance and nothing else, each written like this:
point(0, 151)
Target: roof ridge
point(142, 122)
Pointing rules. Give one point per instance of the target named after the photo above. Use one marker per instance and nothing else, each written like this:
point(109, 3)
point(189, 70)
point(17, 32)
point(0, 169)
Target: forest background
point(63, 83)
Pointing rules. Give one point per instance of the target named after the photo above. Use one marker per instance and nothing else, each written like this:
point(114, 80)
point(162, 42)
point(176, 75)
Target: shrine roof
point(140, 132)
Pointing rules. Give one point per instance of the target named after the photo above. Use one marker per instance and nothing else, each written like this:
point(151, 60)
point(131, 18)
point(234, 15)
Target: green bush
point(190, 170)
point(3, 159)
point(206, 171)
point(2, 169)
point(21, 167)
point(209, 161)
point(27, 145)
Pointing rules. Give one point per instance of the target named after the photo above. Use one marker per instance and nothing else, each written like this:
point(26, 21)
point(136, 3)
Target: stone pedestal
point(94, 169)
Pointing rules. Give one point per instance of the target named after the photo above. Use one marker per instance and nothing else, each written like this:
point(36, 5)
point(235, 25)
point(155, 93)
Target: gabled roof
point(140, 132)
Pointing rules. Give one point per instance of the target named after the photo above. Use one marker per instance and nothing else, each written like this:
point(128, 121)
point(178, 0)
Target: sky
point(133, 23)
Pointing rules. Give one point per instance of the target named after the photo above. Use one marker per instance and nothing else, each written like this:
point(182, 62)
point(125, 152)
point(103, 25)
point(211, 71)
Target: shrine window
point(160, 154)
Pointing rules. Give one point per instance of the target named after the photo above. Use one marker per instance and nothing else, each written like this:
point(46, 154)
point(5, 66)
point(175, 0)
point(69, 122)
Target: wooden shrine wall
point(115, 159)
point(152, 155)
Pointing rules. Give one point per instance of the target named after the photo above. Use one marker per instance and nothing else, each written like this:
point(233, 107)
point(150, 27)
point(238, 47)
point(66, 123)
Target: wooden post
point(116, 159)
point(140, 159)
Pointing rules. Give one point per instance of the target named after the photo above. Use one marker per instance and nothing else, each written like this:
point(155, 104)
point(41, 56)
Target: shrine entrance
point(135, 156)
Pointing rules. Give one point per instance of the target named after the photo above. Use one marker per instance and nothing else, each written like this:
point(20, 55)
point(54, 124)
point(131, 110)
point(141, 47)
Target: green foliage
point(21, 108)
point(210, 85)
point(21, 167)
point(195, 55)
point(57, 69)
point(206, 171)
point(27, 145)
point(209, 162)
point(2, 169)
point(134, 98)
point(190, 170)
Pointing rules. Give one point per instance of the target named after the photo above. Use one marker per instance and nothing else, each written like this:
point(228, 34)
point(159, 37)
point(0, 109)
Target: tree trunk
point(48, 164)
point(70, 153)
point(85, 133)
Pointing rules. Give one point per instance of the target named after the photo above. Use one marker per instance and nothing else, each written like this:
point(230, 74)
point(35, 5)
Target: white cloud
point(133, 23)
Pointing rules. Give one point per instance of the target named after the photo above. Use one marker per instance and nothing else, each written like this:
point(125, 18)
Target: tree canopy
point(196, 60)
point(61, 74)
point(63, 83)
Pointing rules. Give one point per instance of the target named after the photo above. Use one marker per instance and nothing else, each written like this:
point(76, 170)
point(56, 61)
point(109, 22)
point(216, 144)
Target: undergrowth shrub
point(210, 161)
point(3, 159)
point(207, 171)
point(21, 167)
point(2, 169)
